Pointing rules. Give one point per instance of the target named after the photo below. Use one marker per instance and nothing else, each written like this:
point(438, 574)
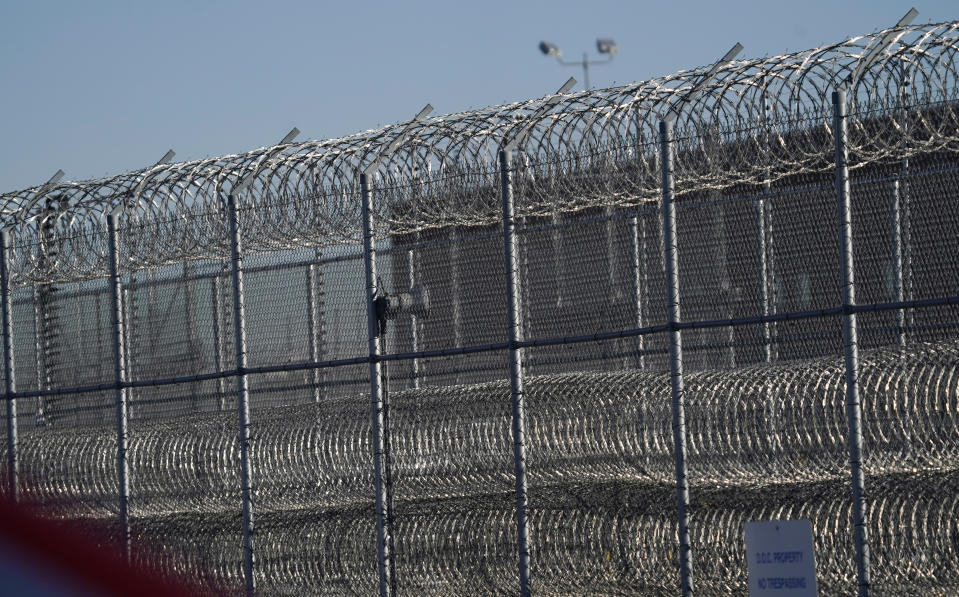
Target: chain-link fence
point(575, 365)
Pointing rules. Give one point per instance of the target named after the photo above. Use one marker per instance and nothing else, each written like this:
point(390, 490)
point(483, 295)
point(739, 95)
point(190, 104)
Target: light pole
point(604, 45)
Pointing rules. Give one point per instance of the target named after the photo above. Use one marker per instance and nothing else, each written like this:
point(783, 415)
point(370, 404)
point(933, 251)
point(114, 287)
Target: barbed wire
point(600, 472)
point(769, 115)
point(766, 438)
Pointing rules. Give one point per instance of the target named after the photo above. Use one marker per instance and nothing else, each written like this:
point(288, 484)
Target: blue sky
point(101, 87)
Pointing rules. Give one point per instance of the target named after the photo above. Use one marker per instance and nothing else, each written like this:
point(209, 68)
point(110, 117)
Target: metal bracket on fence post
point(880, 45)
point(671, 257)
point(850, 342)
point(119, 377)
point(690, 95)
point(10, 383)
point(243, 393)
point(385, 564)
point(516, 369)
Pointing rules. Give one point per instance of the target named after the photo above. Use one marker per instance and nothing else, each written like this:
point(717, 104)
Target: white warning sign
point(780, 559)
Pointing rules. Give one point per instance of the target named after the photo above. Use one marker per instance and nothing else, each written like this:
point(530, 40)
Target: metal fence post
point(39, 361)
point(119, 378)
point(128, 313)
point(762, 253)
point(558, 254)
point(850, 342)
point(149, 323)
point(517, 392)
point(897, 261)
point(215, 292)
point(414, 320)
point(766, 269)
point(763, 248)
point(46, 307)
point(902, 221)
point(189, 311)
point(772, 409)
point(457, 309)
point(637, 237)
point(10, 382)
point(671, 256)
point(384, 557)
point(243, 393)
point(314, 325)
point(524, 313)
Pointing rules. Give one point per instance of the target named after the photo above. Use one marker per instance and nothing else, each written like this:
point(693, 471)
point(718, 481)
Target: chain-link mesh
point(583, 430)
point(909, 435)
